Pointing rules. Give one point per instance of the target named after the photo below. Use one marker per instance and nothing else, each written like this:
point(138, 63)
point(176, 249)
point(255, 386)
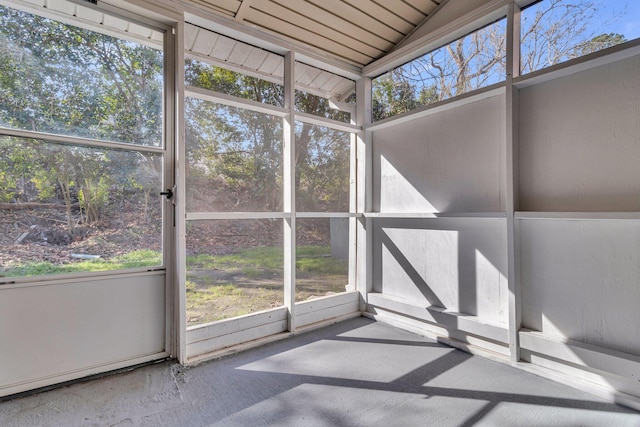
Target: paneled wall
point(439, 228)
point(440, 223)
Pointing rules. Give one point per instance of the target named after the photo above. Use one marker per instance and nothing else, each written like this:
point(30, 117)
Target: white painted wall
point(580, 141)
point(451, 161)
point(455, 263)
point(580, 280)
point(60, 331)
point(579, 151)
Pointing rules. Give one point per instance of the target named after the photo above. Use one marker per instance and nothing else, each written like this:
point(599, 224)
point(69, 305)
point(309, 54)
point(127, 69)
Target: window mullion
point(289, 173)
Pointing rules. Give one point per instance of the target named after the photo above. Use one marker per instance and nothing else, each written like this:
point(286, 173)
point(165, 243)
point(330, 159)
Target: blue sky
point(625, 15)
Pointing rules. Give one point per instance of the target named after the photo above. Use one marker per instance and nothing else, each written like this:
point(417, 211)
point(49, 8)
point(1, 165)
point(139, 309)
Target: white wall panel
point(455, 263)
point(451, 161)
point(580, 280)
point(580, 141)
point(57, 329)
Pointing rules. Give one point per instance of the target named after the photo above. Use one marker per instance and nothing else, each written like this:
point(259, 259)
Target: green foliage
point(63, 79)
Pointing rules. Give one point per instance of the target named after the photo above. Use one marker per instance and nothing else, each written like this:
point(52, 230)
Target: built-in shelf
point(494, 331)
point(578, 215)
point(418, 215)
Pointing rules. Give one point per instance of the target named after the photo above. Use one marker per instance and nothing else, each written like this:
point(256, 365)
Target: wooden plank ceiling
point(217, 49)
point(356, 31)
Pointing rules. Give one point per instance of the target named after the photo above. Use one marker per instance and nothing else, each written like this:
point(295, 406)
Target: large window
point(471, 62)
point(81, 148)
point(235, 159)
point(240, 173)
point(554, 31)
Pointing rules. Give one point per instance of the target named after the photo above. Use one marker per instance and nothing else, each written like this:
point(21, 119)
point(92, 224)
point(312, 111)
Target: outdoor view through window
point(80, 149)
point(552, 31)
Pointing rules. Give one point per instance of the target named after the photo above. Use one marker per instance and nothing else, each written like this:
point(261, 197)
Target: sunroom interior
point(189, 178)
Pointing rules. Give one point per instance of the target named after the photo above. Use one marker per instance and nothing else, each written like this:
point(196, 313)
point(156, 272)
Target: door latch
point(169, 194)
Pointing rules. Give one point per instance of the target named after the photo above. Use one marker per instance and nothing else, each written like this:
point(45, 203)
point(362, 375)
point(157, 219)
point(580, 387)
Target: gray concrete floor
point(354, 373)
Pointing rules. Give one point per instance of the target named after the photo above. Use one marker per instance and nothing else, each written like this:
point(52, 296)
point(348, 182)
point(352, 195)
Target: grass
point(224, 286)
point(268, 261)
point(140, 258)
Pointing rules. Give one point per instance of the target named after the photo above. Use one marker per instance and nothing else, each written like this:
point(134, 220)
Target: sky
point(627, 13)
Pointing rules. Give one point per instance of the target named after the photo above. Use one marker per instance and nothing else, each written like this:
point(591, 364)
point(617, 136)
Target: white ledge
point(577, 216)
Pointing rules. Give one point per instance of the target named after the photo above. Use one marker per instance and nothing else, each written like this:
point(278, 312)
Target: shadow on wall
point(455, 263)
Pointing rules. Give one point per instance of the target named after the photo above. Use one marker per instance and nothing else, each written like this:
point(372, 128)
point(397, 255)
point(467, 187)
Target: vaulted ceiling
point(356, 31)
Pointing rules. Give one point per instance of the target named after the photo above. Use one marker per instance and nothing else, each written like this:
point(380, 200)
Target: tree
point(552, 31)
point(62, 79)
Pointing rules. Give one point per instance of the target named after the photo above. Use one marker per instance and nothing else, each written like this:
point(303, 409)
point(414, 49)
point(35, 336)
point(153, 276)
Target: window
point(207, 76)
point(235, 159)
point(235, 164)
point(234, 267)
point(324, 94)
point(81, 148)
point(469, 63)
point(322, 168)
point(554, 31)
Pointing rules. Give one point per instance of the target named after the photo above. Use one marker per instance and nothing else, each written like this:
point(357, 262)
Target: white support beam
point(180, 277)
point(234, 101)
point(289, 196)
point(511, 176)
point(364, 191)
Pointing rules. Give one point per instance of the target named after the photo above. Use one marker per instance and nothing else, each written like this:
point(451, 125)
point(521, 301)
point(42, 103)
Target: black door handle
point(168, 194)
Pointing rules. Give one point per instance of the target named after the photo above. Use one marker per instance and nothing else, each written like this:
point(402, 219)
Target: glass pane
point(234, 267)
point(322, 169)
point(324, 94)
point(322, 257)
point(218, 79)
point(62, 79)
point(471, 62)
point(71, 209)
point(554, 31)
point(234, 159)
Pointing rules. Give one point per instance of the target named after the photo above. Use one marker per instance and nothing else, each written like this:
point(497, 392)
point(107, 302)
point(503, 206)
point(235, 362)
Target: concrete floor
point(355, 373)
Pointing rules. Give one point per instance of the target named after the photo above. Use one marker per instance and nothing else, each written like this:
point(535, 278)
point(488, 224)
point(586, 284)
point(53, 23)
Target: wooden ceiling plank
point(363, 19)
point(190, 36)
point(312, 28)
point(312, 39)
point(205, 40)
point(230, 6)
point(381, 17)
point(425, 6)
point(242, 10)
point(255, 59)
point(340, 23)
point(65, 7)
point(240, 53)
point(223, 48)
point(89, 14)
point(403, 10)
point(273, 64)
point(338, 85)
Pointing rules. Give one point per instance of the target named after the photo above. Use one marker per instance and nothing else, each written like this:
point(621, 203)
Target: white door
point(84, 229)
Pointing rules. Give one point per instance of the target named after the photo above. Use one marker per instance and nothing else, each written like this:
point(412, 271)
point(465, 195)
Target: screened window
point(471, 62)
point(207, 76)
point(324, 94)
point(554, 31)
point(235, 159)
point(67, 204)
point(322, 168)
